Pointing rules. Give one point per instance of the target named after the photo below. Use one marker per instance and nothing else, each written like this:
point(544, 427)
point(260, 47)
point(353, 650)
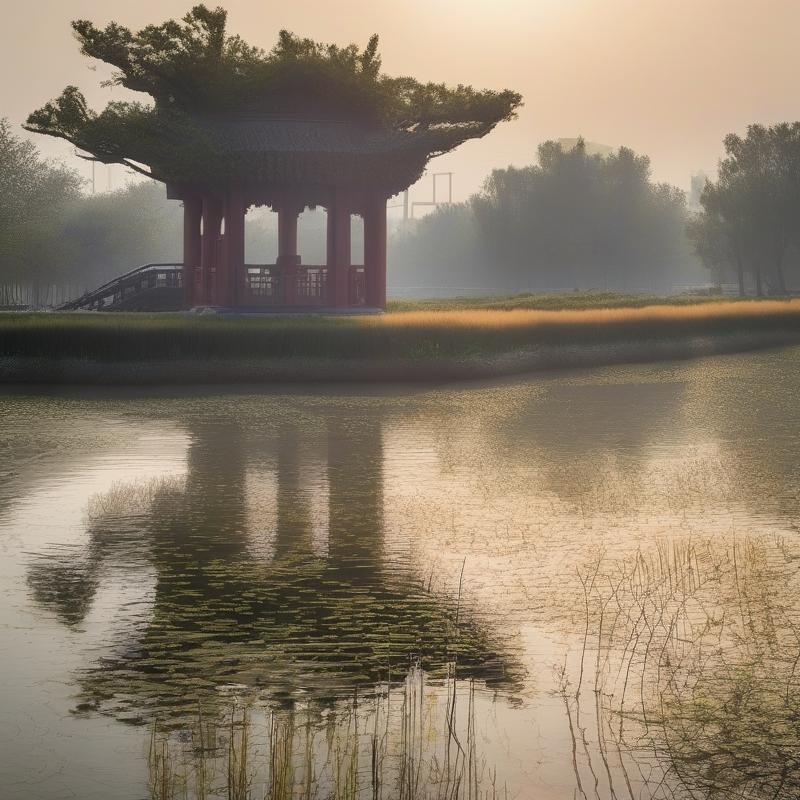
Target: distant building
point(695, 190)
point(592, 148)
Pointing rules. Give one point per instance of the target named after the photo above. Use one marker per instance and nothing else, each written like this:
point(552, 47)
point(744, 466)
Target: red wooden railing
point(306, 285)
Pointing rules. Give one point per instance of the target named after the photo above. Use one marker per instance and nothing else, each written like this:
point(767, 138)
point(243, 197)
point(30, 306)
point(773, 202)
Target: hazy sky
point(667, 77)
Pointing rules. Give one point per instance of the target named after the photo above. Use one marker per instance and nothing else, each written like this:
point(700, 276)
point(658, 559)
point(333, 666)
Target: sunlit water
point(606, 559)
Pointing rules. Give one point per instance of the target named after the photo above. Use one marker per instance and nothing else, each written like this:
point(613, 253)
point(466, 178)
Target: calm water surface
point(581, 585)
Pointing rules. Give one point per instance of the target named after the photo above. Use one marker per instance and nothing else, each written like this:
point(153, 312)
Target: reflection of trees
point(220, 616)
point(750, 406)
point(727, 427)
point(580, 436)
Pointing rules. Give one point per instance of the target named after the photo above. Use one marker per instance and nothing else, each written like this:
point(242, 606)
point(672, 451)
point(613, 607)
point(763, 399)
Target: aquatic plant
point(688, 672)
point(414, 742)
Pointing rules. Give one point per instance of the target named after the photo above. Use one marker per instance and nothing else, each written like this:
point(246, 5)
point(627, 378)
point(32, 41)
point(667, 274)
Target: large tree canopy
point(749, 219)
point(193, 70)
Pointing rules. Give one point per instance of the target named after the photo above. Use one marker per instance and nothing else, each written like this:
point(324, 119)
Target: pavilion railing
point(310, 286)
point(262, 284)
point(358, 286)
point(306, 285)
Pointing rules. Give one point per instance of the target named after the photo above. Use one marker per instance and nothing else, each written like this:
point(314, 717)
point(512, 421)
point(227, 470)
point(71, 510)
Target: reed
point(397, 743)
point(689, 672)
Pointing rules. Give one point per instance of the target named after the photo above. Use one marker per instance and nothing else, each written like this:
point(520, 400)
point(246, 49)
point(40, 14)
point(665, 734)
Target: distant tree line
point(572, 221)
point(749, 229)
point(55, 240)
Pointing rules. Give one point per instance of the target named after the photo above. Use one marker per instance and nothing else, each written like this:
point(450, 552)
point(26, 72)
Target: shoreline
point(531, 360)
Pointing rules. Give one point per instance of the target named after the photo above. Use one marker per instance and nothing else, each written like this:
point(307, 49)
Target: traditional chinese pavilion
point(231, 126)
point(290, 165)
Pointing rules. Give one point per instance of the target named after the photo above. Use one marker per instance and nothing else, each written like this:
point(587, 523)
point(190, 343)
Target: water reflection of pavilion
point(305, 619)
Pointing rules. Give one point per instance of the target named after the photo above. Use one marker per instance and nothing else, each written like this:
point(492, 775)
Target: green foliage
point(571, 221)
point(749, 219)
point(51, 233)
point(34, 197)
point(193, 67)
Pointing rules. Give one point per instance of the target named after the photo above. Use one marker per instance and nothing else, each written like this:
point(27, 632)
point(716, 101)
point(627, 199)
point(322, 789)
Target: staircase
point(151, 287)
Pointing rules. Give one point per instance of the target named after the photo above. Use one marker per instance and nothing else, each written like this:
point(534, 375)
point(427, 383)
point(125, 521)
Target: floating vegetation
point(218, 616)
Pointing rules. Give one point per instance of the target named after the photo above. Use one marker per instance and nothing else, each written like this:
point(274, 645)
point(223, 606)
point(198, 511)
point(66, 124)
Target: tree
point(441, 249)
point(576, 220)
point(755, 203)
point(715, 248)
point(111, 233)
point(34, 197)
point(193, 71)
point(51, 234)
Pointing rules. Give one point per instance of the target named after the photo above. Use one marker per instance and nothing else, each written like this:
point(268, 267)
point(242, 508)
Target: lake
point(581, 584)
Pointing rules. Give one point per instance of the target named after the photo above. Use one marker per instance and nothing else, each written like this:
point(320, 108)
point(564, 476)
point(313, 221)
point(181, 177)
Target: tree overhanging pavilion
point(231, 126)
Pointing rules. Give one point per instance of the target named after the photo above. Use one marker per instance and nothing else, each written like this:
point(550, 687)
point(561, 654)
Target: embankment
point(106, 349)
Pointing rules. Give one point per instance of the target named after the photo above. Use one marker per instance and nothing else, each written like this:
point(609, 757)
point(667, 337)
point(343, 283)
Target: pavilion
point(230, 126)
point(290, 165)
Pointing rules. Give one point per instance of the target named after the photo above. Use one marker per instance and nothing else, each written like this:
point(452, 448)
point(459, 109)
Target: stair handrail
point(101, 290)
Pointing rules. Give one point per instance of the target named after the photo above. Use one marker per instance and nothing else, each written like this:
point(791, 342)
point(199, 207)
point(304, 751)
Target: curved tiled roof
point(261, 133)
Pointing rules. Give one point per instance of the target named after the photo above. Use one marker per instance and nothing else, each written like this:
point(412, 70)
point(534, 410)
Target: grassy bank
point(557, 301)
point(399, 345)
point(415, 335)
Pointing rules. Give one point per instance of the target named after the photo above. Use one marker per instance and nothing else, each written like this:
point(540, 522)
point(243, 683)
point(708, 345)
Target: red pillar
point(212, 220)
point(288, 259)
point(192, 214)
point(375, 251)
point(338, 278)
point(231, 269)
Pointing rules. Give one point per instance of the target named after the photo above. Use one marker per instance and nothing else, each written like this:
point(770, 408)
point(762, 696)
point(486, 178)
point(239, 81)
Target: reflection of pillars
point(231, 268)
point(216, 482)
point(355, 495)
point(338, 260)
point(212, 221)
point(192, 214)
point(294, 515)
point(375, 252)
point(288, 259)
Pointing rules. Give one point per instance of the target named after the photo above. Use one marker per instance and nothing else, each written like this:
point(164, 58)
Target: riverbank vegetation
point(689, 656)
point(422, 335)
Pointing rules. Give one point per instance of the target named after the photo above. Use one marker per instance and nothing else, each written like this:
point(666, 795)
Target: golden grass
point(532, 318)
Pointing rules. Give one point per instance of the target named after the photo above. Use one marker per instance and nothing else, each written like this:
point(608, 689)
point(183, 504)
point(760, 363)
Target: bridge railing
point(125, 287)
point(262, 285)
